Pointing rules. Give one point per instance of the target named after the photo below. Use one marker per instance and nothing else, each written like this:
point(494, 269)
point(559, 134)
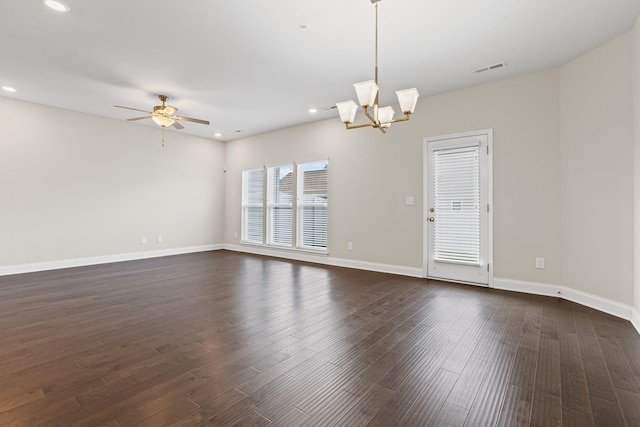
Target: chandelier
point(367, 92)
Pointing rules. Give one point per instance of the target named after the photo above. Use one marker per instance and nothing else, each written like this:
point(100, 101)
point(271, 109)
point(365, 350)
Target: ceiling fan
point(163, 116)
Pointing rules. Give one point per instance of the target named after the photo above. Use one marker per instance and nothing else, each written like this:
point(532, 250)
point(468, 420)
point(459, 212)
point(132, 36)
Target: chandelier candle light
point(367, 92)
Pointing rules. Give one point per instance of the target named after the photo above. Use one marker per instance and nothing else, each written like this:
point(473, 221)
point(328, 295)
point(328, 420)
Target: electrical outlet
point(411, 201)
point(235, 235)
point(540, 263)
point(350, 246)
point(143, 240)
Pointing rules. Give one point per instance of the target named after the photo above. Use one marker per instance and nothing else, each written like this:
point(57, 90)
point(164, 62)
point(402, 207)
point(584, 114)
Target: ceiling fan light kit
point(368, 94)
point(163, 121)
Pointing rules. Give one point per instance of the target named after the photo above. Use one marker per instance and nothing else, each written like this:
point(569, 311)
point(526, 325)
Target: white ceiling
point(247, 65)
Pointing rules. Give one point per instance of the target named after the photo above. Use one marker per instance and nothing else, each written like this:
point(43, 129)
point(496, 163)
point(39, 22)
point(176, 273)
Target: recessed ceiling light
point(313, 110)
point(217, 134)
point(57, 5)
point(8, 89)
point(303, 26)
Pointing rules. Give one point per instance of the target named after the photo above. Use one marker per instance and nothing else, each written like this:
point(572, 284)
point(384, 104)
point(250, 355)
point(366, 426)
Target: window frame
point(296, 204)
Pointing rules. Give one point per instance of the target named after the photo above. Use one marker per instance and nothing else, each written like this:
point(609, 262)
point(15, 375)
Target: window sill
point(317, 252)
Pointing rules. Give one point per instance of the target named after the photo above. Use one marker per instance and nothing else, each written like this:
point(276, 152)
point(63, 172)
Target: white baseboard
point(527, 287)
point(326, 260)
point(635, 320)
point(81, 262)
point(599, 303)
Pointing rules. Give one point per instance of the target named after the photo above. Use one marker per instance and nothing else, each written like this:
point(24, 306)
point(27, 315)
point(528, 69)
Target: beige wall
point(74, 185)
point(597, 171)
point(635, 68)
point(371, 175)
point(563, 165)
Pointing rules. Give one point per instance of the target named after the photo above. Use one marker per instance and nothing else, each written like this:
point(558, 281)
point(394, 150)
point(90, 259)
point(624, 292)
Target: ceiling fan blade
point(138, 118)
point(177, 125)
point(134, 109)
point(189, 119)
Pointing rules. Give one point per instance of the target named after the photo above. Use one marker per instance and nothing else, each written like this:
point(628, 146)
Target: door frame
point(425, 197)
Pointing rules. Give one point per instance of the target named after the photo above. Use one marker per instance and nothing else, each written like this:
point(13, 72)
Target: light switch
point(540, 263)
point(410, 201)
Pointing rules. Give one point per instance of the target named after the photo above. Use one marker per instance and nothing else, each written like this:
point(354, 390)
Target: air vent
point(491, 67)
point(329, 108)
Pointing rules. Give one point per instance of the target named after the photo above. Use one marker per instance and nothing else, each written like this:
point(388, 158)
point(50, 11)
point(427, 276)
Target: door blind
point(457, 205)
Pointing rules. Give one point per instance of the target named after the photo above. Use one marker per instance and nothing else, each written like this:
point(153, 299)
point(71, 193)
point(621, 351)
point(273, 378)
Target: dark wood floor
point(221, 338)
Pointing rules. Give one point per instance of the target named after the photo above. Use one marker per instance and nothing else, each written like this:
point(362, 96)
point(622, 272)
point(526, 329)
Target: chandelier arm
point(406, 118)
point(366, 125)
point(363, 125)
point(369, 116)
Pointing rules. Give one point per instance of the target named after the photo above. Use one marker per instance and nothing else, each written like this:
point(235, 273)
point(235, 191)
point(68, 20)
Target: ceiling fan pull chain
point(163, 137)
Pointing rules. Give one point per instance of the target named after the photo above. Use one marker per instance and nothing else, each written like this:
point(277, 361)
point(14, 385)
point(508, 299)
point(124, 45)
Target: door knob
point(431, 209)
point(431, 219)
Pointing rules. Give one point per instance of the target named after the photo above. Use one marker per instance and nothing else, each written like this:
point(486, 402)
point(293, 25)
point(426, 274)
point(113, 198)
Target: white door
point(457, 207)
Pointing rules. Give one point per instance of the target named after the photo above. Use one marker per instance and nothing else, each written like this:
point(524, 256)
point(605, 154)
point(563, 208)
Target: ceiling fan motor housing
point(164, 109)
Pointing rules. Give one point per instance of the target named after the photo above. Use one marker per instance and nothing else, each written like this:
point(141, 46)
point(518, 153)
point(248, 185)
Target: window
point(312, 205)
point(253, 206)
point(280, 205)
point(289, 194)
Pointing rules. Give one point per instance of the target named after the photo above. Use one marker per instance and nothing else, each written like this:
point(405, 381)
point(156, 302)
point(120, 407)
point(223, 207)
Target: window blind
point(279, 205)
point(252, 206)
point(312, 203)
point(457, 205)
